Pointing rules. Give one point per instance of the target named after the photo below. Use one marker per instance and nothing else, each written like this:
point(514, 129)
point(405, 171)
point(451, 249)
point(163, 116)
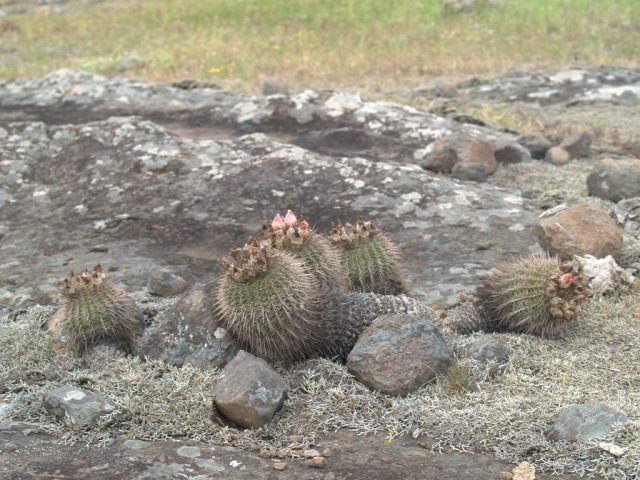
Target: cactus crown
point(76, 285)
point(288, 234)
point(247, 263)
point(352, 236)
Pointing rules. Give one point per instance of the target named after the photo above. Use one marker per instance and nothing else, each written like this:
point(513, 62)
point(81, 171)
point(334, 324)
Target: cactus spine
point(94, 311)
point(271, 303)
point(369, 258)
point(535, 294)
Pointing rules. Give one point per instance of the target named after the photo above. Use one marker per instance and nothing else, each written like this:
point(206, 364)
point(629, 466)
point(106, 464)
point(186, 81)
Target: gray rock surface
point(189, 333)
point(536, 144)
point(582, 229)
point(77, 405)
point(627, 213)
point(165, 283)
point(398, 354)
point(615, 179)
point(249, 392)
point(586, 421)
point(607, 276)
point(577, 145)
point(489, 348)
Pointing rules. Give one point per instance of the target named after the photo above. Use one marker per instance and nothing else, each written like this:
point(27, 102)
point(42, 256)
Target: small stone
point(476, 160)
point(326, 452)
point(489, 348)
point(577, 145)
point(268, 454)
point(330, 476)
point(315, 462)
point(615, 179)
point(280, 466)
point(165, 283)
point(511, 152)
point(537, 144)
point(585, 421)
point(311, 453)
point(505, 476)
point(249, 392)
point(78, 405)
point(581, 229)
point(613, 449)
point(557, 156)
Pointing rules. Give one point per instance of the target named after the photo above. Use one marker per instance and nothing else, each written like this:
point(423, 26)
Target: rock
point(274, 88)
point(615, 179)
point(607, 274)
point(280, 466)
point(489, 348)
point(398, 354)
point(536, 144)
point(584, 422)
point(164, 283)
point(476, 160)
point(577, 145)
point(189, 333)
point(511, 152)
point(439, 156)
point(581, 229)
point(77, 405)
point(524, 471)
point(249, 392)
point(315, 462)
point(557, 156)
point(130, 63)
point(627, 213)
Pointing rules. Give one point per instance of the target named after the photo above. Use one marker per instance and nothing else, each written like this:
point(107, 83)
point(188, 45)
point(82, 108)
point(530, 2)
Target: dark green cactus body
point(271, 303)
point(93, 311)
point(536, 294)
point(369, 258)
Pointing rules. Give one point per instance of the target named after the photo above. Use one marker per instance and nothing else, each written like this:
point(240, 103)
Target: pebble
point(315, 462)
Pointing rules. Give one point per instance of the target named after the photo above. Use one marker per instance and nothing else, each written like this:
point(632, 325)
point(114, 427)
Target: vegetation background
point(359, 45)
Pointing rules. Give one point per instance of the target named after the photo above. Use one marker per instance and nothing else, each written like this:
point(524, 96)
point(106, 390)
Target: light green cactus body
point(536, 294)
point(271, 303)
point(369, 258)
point(94, 311)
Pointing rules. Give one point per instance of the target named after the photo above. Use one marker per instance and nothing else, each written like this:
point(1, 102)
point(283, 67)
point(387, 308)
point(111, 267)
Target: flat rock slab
point(76, 404)
point(584, 422)
point(352, 456)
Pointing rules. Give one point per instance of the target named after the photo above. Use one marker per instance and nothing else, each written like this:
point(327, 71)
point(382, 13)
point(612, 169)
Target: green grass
point(322, 43)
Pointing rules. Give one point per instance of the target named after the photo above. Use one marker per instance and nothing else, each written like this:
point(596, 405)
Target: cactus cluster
point(283, 292)
point(94, 311)
point(368, 257)
point(539, 295)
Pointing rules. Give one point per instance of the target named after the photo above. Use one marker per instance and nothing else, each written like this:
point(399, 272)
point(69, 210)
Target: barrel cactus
point(539, 295)
point(271, 303)
point(94, 311)
point(318, 255)
point(369, 258)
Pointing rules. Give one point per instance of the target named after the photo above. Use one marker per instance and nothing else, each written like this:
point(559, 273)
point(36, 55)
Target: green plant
point(271, 302)
point(369, 258)
point(317, 254)
point(535, 294)
point(94, 311)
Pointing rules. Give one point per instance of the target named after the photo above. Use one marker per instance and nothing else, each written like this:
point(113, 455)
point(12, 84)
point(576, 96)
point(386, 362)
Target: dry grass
point(507, 415)
point(363, 44)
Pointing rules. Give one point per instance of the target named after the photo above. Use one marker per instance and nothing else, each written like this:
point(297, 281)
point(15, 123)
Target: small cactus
point(536, 294)
point(271, 303)
point(316, 252)
point(369, 258)
point(94, 311)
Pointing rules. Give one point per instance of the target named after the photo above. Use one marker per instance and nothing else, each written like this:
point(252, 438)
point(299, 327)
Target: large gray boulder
point(615, 179)
point(398, 354)
point(249, 392)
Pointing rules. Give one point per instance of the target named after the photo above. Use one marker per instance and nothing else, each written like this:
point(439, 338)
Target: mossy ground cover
point(354, 44)
point(505, 411)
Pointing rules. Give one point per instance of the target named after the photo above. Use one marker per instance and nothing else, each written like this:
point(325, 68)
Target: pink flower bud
point(277, 222)
point(303, 225)
point(289, 218)
point(567, 278)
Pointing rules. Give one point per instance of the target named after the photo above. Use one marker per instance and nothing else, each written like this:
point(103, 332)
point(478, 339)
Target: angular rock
point(77, 404)
point(627, 213)
point(581, 229)
point(398, 354)
point(615, 179)
point(249, 392)
point(607, 274)
point(557, 156)
point(476, 160)
point(189, 333)
point(164, 283)
point(584, 422)
point(511, 152)
point(577, 145)
point(536, 144)
point(489, 348)
point(439, 156)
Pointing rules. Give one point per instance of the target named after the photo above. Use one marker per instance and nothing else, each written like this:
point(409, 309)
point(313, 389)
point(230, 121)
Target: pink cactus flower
point(289, 218)
point(277, 222)
point(303, 225)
